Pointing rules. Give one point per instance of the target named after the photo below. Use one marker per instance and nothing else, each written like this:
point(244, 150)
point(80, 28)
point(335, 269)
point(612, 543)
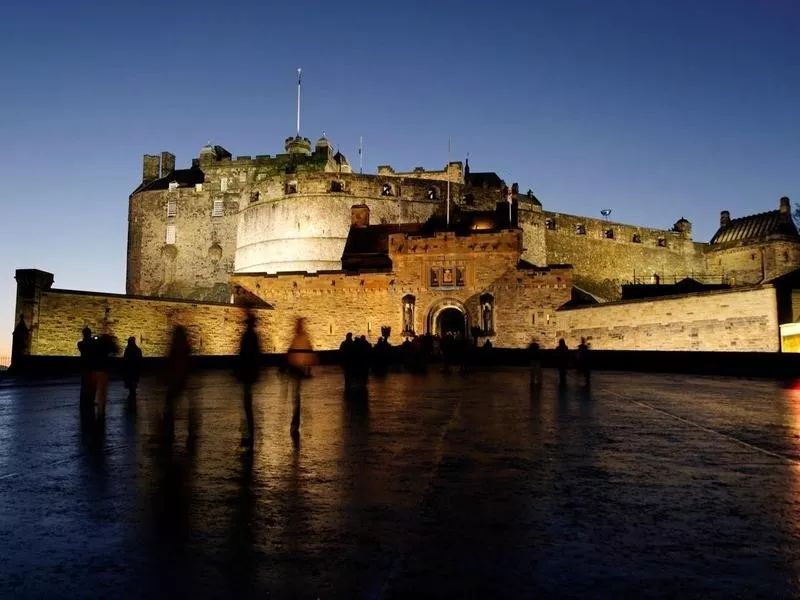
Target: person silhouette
point(132, 369)
point(86, 349)
point(300, 358)
point(562, 359)
point(247, 371)
point(583, 362)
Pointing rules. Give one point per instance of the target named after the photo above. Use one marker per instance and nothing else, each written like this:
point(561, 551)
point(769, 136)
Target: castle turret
point(683, 226)
point(298, 145)
point(724, 218)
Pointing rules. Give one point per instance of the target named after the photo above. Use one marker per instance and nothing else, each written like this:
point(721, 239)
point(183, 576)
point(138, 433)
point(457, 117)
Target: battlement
point(448, 242)
point(453, 172)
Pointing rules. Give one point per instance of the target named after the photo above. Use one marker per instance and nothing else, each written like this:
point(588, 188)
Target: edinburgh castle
point(422, 252)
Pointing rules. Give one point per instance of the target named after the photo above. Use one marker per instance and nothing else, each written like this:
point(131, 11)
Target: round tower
point(298, 145)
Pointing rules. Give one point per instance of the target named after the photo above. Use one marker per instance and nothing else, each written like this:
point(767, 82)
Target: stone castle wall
point(734, 320)
point(602, 265)
point(752, 263)
point(335, 303)
point(199, 263)
point(307, 230)
point(214, 329)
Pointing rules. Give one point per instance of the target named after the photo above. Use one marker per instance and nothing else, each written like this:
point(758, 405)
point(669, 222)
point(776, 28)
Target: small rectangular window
point(216, 211)
point(459, 277)
point(172, 208)
point(170, 234)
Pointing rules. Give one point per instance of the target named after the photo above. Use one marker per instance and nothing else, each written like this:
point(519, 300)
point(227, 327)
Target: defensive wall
point(735, 320)
point(749, 263)
point(56, 318)
point(607, 254)
point(523, 301)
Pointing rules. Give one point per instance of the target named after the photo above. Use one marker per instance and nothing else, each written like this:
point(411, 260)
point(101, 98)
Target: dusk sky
point(656, 110)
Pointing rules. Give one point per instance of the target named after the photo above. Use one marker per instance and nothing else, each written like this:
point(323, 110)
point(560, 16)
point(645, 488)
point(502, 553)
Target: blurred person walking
point(176, 375)
point(132, 369)
point(300, 358)
point(247, 372)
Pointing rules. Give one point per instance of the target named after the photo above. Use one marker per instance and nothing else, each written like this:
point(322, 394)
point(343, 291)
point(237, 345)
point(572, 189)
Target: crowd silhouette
point(357, 357)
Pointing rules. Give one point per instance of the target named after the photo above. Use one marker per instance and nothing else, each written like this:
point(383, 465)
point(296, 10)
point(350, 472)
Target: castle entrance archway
point(448, 316)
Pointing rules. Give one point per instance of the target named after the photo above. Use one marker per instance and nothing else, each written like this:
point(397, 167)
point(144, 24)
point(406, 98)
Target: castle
point(301, 234)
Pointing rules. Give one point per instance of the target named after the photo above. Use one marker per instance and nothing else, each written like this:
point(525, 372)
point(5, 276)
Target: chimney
point(359, 215)
point(724, 218)
point(167, 163)
point(150, 166)
point(786, 209)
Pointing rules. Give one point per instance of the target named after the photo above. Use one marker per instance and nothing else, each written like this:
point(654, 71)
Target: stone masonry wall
point(200, 261)
point(335, 303)
point(729, 320)
point(602, 265)
point(748, 264)
point(214, 329)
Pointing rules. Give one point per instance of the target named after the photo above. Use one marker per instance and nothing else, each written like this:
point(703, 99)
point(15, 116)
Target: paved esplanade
point(659, 486)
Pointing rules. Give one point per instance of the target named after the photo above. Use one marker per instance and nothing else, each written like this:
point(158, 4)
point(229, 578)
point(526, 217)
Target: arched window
point(487, 314)
point(550, 224)
point(636, 239)
point(432, 193)
point(409, 303)
point(387, 190)
point(580, 229)
point(291, 187)
point(608, 234)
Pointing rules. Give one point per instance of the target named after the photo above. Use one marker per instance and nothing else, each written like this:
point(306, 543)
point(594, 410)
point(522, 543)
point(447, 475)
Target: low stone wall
point(214, 329)
point(729, 320)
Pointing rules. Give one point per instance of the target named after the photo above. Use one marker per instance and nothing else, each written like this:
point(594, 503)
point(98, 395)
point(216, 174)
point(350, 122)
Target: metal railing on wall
point(673, 278)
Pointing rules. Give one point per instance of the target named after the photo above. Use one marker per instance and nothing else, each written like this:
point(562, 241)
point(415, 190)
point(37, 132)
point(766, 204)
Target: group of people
point(564, 359)
point(97, 353)
point(357, 357)
point(97, 357)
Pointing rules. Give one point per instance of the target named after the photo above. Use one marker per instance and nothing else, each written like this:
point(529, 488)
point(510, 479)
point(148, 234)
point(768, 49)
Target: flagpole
point(447, 170)
point(360, 154)
point(299, 70)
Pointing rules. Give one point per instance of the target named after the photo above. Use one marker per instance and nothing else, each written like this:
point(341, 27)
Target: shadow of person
point(241, 566)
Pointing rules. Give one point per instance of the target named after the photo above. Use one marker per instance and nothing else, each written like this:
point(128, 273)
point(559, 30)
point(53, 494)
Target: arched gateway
point(448, 316)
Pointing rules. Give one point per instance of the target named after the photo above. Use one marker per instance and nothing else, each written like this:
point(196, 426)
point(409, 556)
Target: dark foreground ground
point(652, 486)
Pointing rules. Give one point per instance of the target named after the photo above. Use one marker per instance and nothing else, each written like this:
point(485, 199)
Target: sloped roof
point(753, 227)
point(184, 178)
point(487, 180)
point(368, 247)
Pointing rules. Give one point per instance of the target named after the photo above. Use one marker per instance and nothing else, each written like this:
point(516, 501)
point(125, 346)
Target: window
point(432, 193)
point(291, 187)
point(469, 200)
point(172, 208)
point(386, 190)
point(173, 185)
point(216, 210)
point(337, 186)
point(636, 239)
point(550, 224)
point(580, 229)
point(254, 196)
point(608, 234)
point(223, 184)
point(170, 234)
point(662, 242)
point(487, 314)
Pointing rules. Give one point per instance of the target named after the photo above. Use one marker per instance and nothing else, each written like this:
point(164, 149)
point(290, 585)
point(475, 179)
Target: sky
point(657, 110)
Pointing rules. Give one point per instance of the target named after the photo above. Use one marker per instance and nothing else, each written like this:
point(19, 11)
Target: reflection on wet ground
point(433, 486)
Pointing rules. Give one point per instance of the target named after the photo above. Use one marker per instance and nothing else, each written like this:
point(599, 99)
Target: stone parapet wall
point(730, 320)
point(743, 264)
point(602, 265)
point(214, 329)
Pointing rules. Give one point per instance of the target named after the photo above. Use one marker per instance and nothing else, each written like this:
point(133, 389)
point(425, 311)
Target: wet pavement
point(438, 486)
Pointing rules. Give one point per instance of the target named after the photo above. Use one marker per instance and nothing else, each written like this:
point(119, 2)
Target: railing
point(663, 279)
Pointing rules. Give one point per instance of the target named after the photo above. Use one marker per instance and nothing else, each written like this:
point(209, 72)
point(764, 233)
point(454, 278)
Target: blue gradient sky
point(655, 109)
